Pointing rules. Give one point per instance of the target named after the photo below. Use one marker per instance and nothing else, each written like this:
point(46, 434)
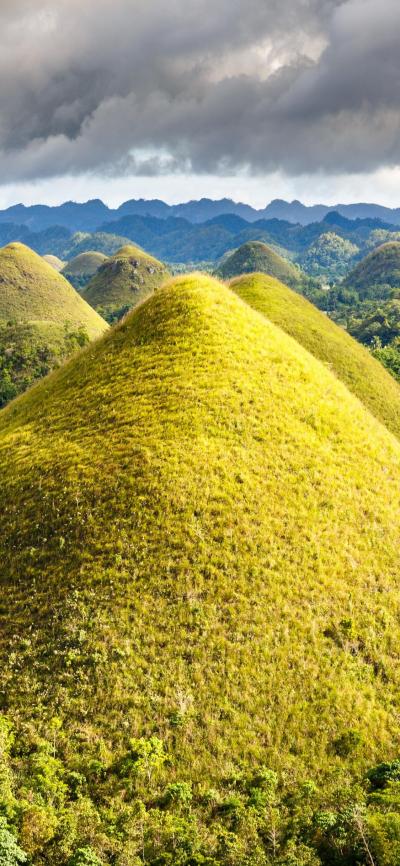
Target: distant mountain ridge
point(90, 215)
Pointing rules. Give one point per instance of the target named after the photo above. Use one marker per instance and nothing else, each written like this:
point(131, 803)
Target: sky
point(250, 99)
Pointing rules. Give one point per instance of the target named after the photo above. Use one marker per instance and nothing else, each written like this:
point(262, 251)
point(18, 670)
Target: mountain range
point(90, 215)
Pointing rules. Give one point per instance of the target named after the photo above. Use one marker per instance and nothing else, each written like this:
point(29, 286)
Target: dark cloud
point(155, 87)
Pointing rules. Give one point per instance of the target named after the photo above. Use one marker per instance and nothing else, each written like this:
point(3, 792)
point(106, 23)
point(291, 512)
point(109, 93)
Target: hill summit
point(200, 594)
point(32, 290)
point(256, 256)
point(380, 269)
point(80, 270)
point(124, 280)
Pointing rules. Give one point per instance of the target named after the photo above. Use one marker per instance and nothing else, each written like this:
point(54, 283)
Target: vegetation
point(378, 274)
point(86, 242)
point(82, 268)
point(31, 290)
point(256, 256)
point(329, 255)
point(325, 340)
point(199, 601)
point(123, 281)
point(30, 350)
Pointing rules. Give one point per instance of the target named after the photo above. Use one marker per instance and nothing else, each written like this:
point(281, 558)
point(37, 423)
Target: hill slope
point(30, 289)
point(199, 578)
point(124, 280)
point(380, 268)
point(80, 270)
point(257, 256)
point(350, 362)
point(54, 261)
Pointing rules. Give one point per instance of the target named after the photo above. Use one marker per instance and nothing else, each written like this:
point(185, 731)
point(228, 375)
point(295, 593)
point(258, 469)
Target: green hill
point(31, 290)
point(54, 261)
point(377, 273)
point(123, 281)
point(80, 270)
point(255, 256)
point(199, 634)
point(329, 255)
point(350, 362)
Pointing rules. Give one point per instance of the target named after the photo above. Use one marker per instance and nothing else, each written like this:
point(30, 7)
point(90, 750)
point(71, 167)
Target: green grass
point(379, 268)
point(199, 537)
point(348, 360)
point(32, 290)
point(124, 280)
point(257, 256)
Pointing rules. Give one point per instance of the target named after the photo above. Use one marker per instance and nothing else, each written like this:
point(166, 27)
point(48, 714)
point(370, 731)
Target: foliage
point(329, 255)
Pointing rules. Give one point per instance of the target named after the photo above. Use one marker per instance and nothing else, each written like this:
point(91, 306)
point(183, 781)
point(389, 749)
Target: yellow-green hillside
point(123, 281)
point(379, 269)
point(257, 256)
point(80, 270)
point(353, 364)
point(199, 538)
point(32, 290)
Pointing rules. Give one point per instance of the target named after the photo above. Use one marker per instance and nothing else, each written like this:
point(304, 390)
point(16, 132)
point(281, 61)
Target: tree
point(10, 852)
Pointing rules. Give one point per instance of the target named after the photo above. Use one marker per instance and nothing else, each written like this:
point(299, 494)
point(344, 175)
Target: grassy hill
point(377, 273)
point(31, 290)
point(123, 281)
point(54, 261)
point(199, 634)
point(258, 257)
point(350, 362)
point(80, 270)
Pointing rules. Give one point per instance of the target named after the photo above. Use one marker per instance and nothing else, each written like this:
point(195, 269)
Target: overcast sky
point(254, 99)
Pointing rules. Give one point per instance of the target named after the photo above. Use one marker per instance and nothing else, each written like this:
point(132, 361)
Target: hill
point(123, 281)
point(329, 255)
point(328, 342)
point(83, 267)
point(377, 273)
point(256, 256)
point(31, 290)
point(54, 261)
point(199, 622)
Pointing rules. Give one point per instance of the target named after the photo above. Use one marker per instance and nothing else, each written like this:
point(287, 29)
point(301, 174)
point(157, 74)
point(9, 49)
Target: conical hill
point(123, 281)
point(199, 532)
point(80, 270)
point(377, 272)
point(256, 256)
point(32, 290)
point(350, 361)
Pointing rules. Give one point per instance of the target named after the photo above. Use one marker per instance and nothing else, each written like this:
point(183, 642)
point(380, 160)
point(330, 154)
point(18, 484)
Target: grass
point(124, 280)
point(32, 290)
point(379, 268)
point(192, 523)
point(83, 267)
point(256, 256)
point(54, 261)
point(365, 377)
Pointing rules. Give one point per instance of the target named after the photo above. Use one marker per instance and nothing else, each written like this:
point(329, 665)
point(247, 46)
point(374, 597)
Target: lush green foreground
point(199, 537)
point(123, 281)
point(354, 365)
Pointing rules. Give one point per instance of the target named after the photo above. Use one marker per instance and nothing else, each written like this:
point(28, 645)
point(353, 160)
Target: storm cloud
point(149, 87)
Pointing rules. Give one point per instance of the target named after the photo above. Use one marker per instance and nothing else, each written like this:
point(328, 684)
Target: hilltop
point(30, 289)
point(377, 273)
point(350, 362)
point(54, 261)
point(83, 267)
point(199, 618)
point(123, 281)
point(257, 256)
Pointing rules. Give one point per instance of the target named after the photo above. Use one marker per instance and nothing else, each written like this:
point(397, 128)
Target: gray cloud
point(155, 87)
